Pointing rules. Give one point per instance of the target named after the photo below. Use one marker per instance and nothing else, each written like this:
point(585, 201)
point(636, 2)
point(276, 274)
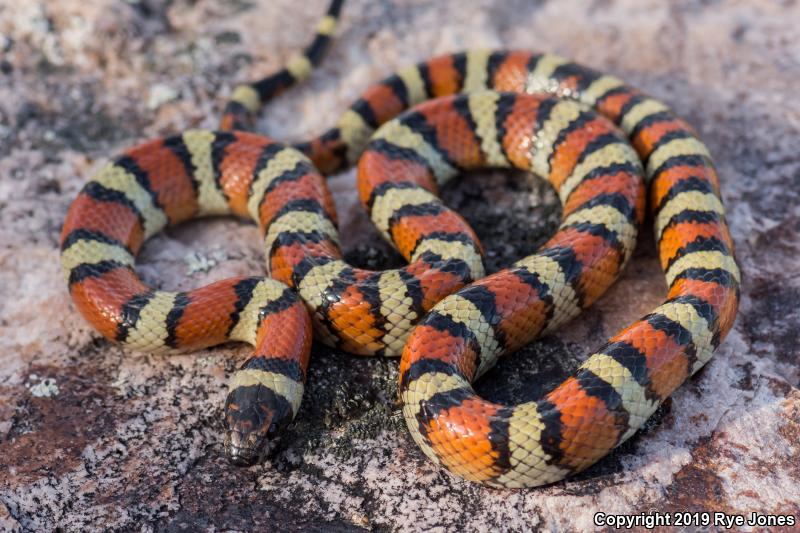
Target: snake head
point(255, 418)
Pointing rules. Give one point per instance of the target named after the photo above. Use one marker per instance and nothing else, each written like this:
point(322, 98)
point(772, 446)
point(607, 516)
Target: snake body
point(611, 153)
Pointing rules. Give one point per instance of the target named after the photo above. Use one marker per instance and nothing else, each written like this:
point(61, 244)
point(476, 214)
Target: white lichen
point(160, 94)
point(46, 388)
point(197, 262)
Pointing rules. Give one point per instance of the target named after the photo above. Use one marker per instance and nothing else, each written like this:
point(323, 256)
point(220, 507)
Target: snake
point(616, 158)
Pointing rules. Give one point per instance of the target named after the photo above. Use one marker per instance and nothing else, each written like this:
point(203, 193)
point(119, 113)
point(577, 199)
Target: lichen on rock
point(94, 437)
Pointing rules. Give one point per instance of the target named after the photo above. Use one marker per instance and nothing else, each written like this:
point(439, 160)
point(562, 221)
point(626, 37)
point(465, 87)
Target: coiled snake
point(612, 154)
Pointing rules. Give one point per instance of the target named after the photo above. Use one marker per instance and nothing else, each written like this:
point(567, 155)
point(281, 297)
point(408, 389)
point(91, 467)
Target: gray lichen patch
point(44, 388)
point(202, 262)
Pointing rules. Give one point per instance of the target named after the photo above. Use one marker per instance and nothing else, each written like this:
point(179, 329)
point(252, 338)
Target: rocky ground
point(93, 437)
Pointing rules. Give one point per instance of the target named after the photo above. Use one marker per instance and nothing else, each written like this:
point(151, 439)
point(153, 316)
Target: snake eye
point(272, 431)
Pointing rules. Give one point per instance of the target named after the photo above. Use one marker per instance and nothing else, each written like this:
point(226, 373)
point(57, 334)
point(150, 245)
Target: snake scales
point(613, 155)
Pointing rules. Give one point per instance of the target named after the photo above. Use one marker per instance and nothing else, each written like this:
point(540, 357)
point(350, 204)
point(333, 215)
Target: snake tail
point(247, 99)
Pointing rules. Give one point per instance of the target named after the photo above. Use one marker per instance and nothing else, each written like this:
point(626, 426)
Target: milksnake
point(613, 155)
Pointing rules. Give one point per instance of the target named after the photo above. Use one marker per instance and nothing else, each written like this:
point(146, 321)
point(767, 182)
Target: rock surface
point(96, 437)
